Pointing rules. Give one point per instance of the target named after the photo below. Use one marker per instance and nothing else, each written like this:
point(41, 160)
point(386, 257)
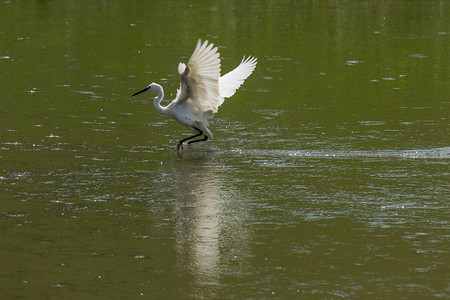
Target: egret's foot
point(180, 146)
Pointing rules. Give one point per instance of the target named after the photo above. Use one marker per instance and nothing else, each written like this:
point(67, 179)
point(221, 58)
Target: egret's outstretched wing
point(200, 79)
point(230, 82)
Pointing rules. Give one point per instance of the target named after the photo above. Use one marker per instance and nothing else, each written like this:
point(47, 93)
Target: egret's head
point(153, 87)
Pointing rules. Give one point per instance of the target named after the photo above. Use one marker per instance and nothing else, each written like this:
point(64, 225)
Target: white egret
point(202, 90)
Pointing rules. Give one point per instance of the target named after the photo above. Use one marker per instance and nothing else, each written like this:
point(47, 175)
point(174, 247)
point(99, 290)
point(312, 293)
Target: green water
point(328, 175)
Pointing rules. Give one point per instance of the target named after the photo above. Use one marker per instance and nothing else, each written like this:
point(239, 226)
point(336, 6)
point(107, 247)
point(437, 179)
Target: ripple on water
point(420, 153)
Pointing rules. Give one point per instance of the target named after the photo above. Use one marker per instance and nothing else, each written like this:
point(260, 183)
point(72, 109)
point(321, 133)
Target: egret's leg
point(200, 140)
point(180, 143)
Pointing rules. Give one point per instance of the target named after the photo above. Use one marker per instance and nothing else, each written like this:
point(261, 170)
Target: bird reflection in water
point(209, 228)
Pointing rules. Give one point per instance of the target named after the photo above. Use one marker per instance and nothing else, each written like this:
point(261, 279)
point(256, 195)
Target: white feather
point(200, 80)
point(230, 82)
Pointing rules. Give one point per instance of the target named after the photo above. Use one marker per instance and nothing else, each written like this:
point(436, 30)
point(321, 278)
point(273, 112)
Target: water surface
point(327, 177)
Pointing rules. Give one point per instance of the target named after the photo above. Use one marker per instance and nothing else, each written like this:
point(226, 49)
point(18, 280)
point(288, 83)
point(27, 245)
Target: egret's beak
point(141, 91)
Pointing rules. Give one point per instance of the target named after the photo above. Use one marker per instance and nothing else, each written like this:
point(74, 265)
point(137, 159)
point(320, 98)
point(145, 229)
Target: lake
point(327, 178)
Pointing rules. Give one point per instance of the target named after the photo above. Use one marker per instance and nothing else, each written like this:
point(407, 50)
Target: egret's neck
point(158, 99)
